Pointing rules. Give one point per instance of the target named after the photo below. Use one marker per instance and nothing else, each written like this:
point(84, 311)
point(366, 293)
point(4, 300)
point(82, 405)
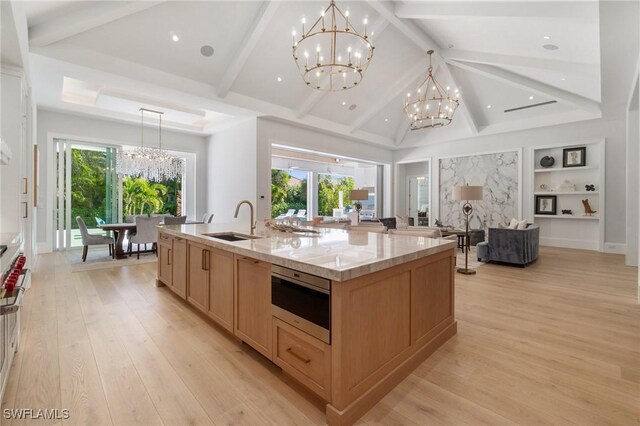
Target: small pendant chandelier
point(331, 55)
point(431, 105)
point(152, 164)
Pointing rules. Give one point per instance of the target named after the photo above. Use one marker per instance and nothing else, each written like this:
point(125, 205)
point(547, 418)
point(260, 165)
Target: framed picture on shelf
point(574, 157)
point(546, 204)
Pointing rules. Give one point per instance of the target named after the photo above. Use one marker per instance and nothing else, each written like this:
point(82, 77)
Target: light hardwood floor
point(555, 343)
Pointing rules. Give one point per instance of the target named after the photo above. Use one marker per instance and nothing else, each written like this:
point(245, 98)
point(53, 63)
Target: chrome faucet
point(252, 223)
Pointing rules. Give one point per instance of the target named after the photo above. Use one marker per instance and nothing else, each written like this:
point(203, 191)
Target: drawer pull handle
point(301, 358)
point(169, 256)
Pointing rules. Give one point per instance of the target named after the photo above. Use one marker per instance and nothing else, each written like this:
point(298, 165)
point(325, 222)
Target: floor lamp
point(467, 193)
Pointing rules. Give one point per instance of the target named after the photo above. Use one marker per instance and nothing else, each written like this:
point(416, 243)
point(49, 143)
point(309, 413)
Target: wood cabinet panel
point(164, 262)
point(179, 267)
point(376, 324)
point(198, 276)
point(221, 287)
point(253, 304)
point(304, 357)
point(431, 297)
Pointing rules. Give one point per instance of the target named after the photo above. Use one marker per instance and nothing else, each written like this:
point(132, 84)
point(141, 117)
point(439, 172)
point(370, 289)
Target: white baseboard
point(615, 248)
point(43, 248)
point(570, 243)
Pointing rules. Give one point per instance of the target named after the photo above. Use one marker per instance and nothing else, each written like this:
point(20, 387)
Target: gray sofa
point(518, 247)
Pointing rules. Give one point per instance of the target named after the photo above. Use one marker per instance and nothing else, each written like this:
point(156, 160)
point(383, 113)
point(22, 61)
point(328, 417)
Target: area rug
point(473, 259)
point(98, 258)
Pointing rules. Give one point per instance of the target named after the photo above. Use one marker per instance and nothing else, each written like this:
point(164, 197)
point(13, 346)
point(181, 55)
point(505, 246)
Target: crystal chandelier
point(432, 105)
point(150, 163)
point(331, 55)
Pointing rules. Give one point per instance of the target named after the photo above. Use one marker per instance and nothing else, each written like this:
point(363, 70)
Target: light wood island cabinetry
point(384, 323)
point(253, 304)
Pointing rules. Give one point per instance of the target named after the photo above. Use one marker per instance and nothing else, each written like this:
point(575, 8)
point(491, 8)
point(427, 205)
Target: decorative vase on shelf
point(547, 161)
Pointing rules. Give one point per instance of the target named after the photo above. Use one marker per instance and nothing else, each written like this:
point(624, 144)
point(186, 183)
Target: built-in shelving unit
point(576, 230)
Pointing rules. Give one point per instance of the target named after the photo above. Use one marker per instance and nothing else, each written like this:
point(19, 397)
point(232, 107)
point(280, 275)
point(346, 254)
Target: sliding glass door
point(87, 187)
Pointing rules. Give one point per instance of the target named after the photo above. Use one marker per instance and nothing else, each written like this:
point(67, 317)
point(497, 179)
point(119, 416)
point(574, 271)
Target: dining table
point(120, 230)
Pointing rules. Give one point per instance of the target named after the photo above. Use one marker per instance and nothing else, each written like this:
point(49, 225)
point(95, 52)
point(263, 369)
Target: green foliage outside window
point(329, 193)
point(285, 196)
point(89, 190)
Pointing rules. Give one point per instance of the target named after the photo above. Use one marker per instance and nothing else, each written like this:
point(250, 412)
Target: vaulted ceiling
point(106, 57)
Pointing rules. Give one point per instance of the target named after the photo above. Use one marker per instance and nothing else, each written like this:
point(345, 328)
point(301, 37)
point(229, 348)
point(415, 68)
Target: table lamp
point(358, 195)
point(467, 193)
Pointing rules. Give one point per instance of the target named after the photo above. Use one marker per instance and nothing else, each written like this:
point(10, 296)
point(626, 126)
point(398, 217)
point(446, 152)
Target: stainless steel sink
point(231, 236)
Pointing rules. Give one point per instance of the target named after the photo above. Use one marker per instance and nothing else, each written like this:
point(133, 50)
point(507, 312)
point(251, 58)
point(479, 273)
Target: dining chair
point(93, 239)
point(175, 220)
point(146, 233)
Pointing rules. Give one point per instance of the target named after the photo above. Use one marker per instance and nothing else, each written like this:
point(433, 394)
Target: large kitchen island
point(346, 314)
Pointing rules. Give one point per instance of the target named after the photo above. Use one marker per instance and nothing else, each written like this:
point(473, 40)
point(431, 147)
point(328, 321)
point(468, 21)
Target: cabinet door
point(179, 266)
point(253, 304)
point(198, 276)
point(164, 262)
point(221, 288)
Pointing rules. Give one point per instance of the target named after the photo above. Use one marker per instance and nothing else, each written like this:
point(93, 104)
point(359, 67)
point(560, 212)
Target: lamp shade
point(466, 192)
point(358, 194)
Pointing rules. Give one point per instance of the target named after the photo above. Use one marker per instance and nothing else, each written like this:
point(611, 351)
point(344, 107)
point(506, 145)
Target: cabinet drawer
point(302, 356)
point(165, 239)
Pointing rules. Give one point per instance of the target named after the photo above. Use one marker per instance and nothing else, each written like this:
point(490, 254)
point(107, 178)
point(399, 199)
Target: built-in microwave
point(302, 300)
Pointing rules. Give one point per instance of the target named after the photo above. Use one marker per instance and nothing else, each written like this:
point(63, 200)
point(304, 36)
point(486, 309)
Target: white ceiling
point(492, 50)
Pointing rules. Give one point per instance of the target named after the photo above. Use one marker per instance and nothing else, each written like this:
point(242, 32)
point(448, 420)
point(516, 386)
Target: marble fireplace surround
point(498, 173)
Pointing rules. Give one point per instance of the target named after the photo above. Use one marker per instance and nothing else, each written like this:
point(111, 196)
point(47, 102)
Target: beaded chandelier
point(150, 163)
point(431, 105)
point(331, 55)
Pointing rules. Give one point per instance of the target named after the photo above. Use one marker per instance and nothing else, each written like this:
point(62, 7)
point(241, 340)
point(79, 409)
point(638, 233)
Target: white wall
point(232, 172)
point(275, 132)
point(612, 129)
point(633, 152)
point(89, 128)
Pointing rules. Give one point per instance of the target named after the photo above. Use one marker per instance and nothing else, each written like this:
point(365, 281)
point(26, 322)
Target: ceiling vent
point(530, 106)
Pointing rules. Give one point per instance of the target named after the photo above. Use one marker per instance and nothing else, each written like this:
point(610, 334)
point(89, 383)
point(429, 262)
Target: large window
point(288, 193)
point(89, 188)
point(333, 193)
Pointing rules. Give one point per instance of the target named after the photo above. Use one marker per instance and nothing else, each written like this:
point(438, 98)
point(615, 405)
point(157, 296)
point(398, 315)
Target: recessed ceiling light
point(550, 47)
point(206, 50)
point(279, 79)
point(489, 106)
point(530, 98)
point(386, 119)
point(344, 102)
point(352, 107)
point(546, 37)
point(175, 37)
point(563, 79)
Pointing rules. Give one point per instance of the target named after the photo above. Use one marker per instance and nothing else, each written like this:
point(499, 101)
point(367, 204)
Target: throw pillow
point(513, 224)
point(522, 224)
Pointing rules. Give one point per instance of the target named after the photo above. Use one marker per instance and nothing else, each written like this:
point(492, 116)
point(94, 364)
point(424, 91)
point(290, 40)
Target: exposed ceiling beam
point(464, 108)
point(259, 25)
point(519, 61)
point(529, 84)
point(82, 19)
point(392, 93)
point(408, 28)
point(318, 95)
point(497, 9)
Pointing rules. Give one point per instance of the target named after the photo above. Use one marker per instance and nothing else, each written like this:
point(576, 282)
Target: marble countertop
point(334, 254)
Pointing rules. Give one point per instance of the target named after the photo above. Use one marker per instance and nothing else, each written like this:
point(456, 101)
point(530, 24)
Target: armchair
point(515, 246)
